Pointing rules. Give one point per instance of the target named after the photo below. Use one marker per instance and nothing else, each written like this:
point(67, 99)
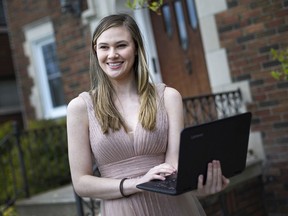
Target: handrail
point(9, 141)
point(207, 108)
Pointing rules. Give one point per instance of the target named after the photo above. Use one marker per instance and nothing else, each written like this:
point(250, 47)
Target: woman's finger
point(219, 177)
point(200, 182)
point(214, 176)
point(209, 178)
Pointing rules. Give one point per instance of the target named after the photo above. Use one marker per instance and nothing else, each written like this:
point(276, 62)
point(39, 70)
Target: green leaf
point(275, 75)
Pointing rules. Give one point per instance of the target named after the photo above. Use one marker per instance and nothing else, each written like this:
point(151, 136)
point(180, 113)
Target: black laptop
point(225, 140)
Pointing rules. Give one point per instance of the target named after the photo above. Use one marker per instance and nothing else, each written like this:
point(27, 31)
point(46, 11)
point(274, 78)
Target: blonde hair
point(102, 90)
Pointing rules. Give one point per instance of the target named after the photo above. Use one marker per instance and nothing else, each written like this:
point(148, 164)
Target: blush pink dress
point(119, 155)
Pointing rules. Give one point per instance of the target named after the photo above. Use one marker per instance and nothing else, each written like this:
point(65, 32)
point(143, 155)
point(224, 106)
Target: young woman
point(130, 128)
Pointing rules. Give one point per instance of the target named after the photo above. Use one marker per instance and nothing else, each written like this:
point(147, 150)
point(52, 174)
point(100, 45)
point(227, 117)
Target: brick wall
point(72, 41)
point(248, 30)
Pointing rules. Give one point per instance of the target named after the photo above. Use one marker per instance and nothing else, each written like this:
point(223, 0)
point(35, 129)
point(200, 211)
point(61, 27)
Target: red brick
point(254, 28)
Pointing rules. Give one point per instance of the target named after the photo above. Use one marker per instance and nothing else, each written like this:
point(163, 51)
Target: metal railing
point(32, 161)
point(206, 108)
point(14, 184)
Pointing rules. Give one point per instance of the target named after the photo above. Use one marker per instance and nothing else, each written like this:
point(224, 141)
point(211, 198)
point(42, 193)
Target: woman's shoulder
point(171, 93)
point(77, 104)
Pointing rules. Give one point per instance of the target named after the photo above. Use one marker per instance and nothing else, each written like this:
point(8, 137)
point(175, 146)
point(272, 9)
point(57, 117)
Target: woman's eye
point(122, 45)
point(103, 47)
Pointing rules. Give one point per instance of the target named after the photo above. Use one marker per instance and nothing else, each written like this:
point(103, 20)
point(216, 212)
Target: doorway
point(179, 46)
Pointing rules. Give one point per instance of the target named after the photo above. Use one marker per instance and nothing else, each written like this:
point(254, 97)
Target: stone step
point(58, 202)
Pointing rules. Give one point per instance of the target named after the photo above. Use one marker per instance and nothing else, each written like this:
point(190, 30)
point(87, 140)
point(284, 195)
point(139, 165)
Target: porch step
point(58, 202)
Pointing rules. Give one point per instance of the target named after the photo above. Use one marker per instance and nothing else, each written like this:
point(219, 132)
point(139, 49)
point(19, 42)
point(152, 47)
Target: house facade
point(197, 46)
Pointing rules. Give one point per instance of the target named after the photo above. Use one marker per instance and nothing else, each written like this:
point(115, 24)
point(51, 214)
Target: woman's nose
point(113, 54)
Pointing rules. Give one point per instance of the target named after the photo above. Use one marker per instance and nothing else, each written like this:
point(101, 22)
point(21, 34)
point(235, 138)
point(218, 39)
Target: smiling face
point(116, 52)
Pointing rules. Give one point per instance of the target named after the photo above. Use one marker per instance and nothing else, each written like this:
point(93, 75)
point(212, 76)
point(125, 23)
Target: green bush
point(45, 152)
point(282, 57)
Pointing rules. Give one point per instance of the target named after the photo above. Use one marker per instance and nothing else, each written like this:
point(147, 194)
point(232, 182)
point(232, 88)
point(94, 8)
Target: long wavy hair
point(102, 90)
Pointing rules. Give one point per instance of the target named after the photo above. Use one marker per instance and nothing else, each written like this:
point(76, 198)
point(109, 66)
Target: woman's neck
point(125, 88)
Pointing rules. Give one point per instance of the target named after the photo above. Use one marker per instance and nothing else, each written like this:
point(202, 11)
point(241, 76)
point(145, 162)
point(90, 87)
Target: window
point(181, 25)
point(50, 76)
point(47, 95)
point(167, 20)
point(192, 14)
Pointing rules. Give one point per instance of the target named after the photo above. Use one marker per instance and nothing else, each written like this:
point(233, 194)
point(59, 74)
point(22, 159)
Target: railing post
point(21, 159)
point(79, 205)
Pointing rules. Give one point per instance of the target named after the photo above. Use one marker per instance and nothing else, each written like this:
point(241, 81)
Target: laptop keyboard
point(169, 183)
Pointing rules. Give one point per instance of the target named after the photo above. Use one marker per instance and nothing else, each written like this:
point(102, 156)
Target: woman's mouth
point(115, 65)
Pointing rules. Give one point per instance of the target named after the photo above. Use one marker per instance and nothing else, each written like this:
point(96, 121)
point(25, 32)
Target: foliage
point(5, 129)
point(282, 57)
point(153, 5)
point(10, 212)
point(37, 124)
point(45, 152)
point(46, 158)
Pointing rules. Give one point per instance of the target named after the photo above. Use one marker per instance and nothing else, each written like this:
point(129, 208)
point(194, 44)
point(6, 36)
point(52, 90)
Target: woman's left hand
point(215, 181)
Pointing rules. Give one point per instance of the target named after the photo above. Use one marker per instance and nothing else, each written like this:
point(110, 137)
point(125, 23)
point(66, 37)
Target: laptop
point(225, 140)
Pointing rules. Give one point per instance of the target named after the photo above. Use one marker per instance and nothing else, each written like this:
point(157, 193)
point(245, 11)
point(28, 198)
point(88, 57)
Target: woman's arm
point(80, 158)
point(174, 107)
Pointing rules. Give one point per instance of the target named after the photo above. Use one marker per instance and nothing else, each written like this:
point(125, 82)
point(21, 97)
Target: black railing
point(206, 108)
point(32, 161)
point(13, 176)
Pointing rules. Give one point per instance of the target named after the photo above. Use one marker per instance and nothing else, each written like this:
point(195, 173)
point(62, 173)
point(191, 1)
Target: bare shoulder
point(76, 105)
point(171, 94)
point(172, 100)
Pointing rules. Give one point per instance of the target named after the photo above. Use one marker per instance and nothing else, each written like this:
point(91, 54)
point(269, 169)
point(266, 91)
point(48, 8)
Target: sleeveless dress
point(119, 155)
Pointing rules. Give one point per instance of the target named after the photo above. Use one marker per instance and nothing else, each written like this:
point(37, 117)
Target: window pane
point(181, 25)
point(49, 53)
point(53, 74)
point(56, 89)
point(192, 14)
point(167, 20)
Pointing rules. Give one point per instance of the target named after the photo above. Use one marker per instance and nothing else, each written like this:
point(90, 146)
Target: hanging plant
point(153, 5)
point(282, 57)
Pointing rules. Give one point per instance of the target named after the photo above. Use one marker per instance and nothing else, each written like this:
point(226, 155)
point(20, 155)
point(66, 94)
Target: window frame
point(36, 34)
point(49, 110)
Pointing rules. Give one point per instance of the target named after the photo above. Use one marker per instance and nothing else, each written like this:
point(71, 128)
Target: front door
point(179, 47)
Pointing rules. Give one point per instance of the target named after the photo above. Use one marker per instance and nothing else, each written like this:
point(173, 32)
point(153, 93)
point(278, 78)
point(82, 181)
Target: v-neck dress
point(124, 155)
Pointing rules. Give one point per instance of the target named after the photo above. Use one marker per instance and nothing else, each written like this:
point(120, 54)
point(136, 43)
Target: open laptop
point(225, 140)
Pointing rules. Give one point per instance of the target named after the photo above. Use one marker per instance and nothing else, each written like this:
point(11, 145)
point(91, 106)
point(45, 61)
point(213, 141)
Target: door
point(179, 47)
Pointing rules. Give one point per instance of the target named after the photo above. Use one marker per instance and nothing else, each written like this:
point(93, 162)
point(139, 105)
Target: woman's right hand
point(158, 172)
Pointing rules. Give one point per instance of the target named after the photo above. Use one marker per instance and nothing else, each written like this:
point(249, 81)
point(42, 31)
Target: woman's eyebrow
point(102, 43)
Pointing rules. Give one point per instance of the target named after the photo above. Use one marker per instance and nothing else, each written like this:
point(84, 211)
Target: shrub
point(45, 152)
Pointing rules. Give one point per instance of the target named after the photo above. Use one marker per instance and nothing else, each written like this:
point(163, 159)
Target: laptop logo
point(196, 136)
